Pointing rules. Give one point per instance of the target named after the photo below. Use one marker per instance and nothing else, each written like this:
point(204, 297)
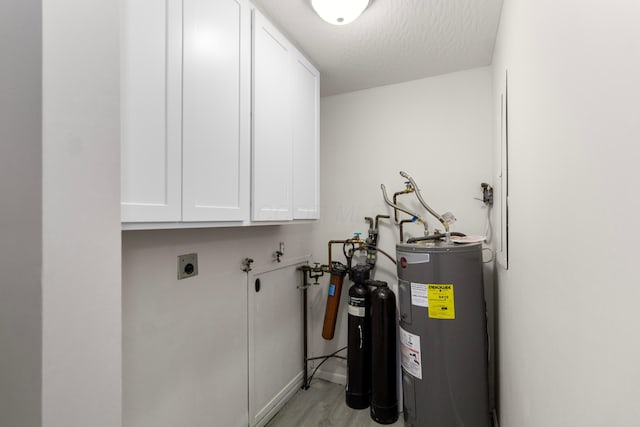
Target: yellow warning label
point(441, 304)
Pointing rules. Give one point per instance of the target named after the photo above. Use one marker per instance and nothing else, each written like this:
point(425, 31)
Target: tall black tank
point(384, 396)
point(443, 335)
point(359, 340)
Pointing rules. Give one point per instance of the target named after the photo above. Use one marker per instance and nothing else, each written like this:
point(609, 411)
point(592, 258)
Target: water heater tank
point(443, 335)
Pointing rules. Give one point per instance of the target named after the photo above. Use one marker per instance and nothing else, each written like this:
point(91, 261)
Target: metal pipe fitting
point(443, 221)
point(414, 215)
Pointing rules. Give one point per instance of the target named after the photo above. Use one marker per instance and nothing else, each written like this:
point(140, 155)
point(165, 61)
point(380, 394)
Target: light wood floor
point(322, 405)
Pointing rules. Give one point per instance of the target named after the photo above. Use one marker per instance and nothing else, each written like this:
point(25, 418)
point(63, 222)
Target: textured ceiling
point(393, 41)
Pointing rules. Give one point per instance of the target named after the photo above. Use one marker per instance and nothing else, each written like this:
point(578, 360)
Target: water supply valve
point(246, 264)
point(316, 272)
point(487, 194)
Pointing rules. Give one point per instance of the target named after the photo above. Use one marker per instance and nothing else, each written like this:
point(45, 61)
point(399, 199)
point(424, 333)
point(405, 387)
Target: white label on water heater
point(419, 295)
point(410, 353)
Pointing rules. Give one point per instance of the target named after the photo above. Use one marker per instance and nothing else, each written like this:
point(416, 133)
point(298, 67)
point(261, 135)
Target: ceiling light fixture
point(339, 12)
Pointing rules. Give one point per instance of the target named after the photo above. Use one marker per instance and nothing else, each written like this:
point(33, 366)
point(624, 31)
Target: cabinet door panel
point(150, 110)
point(275, 340)
point(272, 133)
point(306, 144)
point(216, 110)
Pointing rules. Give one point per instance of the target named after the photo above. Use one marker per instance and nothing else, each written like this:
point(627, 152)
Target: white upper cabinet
point(272, 130)
point(306, 139)
point(151, 110)
point(185, 110)
point(285, 128)
point(216, 107)
point(200, 145)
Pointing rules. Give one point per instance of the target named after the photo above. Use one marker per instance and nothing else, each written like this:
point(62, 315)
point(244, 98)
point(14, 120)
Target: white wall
point(568, 303)
point(20, 212)
point(81, 279)
point(185, 341)
point(439, 130)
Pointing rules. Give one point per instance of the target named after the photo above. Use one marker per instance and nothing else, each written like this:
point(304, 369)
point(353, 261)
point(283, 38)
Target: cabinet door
point(150, 110)
point(272, 133)
point(306, 138)
point(275, 339)
point(216, 106)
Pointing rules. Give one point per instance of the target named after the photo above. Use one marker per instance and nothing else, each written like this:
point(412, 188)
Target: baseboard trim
point(333, 377)
point(272, 408)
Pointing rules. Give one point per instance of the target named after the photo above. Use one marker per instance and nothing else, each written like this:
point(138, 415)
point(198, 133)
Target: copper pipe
point(379, 217)
point(401, 231)
point(331, 242)
point(402, 209)
point(364, 245)
point(423, 203)
point(356, 240)
point(407, 190)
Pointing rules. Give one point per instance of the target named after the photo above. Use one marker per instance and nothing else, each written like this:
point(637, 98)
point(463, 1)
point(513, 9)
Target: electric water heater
point(443, 334)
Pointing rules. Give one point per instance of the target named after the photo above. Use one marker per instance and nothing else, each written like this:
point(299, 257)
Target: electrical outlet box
point(187, 266)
